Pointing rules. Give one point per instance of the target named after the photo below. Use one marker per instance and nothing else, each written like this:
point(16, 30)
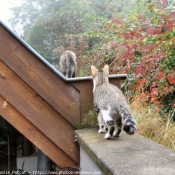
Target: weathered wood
point(61, 95)
point(38, 111)
point(86, 96)
point(15, 118)
point(116, 82)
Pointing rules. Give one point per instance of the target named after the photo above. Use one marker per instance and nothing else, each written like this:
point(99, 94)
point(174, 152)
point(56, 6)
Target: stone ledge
point(127, 155)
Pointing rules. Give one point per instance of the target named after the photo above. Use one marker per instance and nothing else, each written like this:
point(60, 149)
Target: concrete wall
point(87, 165)
point(124, 155)
point(30, 163)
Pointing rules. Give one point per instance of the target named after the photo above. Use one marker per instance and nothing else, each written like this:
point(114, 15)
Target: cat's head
point(99, 76)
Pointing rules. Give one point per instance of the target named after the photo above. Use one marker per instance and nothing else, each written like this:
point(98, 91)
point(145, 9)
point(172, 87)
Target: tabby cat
point(68, 63)
point(111, 105)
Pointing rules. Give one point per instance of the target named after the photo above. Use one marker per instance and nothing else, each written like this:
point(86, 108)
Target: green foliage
point(37, 39)
point(63, 17)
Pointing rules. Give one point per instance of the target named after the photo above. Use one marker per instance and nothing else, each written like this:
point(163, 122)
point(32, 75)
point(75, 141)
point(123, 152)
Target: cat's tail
point(130, 126)
point(128, 121)
point(71, 65)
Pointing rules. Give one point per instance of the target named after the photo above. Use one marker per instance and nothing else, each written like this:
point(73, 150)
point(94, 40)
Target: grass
point(152, 125)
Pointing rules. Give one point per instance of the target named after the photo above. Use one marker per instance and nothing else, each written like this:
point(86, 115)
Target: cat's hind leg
point(110, 126)
point(117, 127)
point(109, 122)
point(102, 125)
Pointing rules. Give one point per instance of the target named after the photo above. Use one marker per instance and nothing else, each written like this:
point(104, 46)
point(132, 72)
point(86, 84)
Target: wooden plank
point(116, 82)
point(86, 95)
point(38, 111)
point(15, 118)
point(59, 94)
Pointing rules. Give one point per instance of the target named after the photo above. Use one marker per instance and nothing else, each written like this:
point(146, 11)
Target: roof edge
point(118, 76)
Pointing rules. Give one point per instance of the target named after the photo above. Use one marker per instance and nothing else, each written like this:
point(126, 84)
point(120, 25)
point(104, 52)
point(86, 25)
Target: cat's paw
point(107, 136)
point(102, 130)
point(117, 133)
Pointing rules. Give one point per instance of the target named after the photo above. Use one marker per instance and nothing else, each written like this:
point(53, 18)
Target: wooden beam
point(15, 118)
point(60, 95)
point(86, 96)
point(38, 111)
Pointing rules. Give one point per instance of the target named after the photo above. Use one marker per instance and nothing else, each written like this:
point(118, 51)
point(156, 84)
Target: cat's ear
point(94, 70)
point(106, 69)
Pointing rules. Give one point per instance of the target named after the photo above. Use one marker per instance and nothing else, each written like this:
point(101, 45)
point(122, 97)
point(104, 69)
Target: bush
point(143, 47)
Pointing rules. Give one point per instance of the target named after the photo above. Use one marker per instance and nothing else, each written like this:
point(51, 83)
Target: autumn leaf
point(169, 89)
point(171, 79)
point(154, 91)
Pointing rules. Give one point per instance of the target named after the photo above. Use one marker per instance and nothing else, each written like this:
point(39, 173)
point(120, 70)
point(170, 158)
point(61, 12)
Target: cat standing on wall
point(68, 63)
point(110, 105)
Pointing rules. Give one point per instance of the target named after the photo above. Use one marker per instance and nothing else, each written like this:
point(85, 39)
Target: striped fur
point(68, 63)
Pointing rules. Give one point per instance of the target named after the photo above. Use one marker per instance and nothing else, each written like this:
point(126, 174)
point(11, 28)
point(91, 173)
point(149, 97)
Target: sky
point(5, 11)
